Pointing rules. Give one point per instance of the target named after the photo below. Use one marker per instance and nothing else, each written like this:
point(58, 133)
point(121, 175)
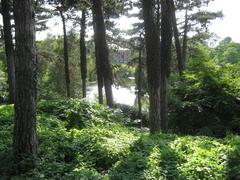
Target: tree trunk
point(83, 55)
point(26, 80)
point(176, 38)
point(158, 9)
point(140, 80)
point(98, 66)
point(153, 65)
point(9, 49)
point(103, 53)
point(185, 40)
point(66, 61)
point(166, 44)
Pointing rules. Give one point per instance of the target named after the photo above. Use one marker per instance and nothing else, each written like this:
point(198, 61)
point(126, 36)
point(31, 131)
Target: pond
point(121, 95)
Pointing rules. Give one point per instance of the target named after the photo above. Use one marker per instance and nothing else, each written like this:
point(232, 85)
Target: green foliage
point(172, 157)
point(231, 75)
point(206, 157)
point(205, 101)
point(227, 52)
point(121, 73)
point(6, 125)
point(3, 82)
point(233, 157)
point(51, 74)
point(133, 114)
point(79, 114)
point(105, 149)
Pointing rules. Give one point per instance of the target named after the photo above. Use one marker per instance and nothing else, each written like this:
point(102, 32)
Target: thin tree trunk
point(166, 44)
point(9, 48)
point(140, 80)
point(153, 65)
point(66, 61)
point(83, 55)
point(26, 80)
point(185, 40)
point(103, 53)
point(158, 15)
point(177, 41)
point(98, 66)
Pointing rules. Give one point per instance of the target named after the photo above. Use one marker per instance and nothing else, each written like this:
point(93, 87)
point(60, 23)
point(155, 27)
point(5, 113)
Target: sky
point(230, 24)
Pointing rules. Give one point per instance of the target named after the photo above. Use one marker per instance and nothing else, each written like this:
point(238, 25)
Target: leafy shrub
point(204, 104)
point(133, 114)
point(3, 83)
point(233, 161)
point(172, 157)
point(103, 147)
point(202, 157)
point(80, 114)
point(106, 149)
point(6, 126)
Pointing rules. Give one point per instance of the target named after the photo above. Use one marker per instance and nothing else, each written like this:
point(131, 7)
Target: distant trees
point(25, 141)
point(61, 7)
point(195, 20)
point(227, 52)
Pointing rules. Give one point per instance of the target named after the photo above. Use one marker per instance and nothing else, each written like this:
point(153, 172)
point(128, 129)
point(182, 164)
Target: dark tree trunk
point(26, 80)
point(98, 66)
point(185, 40)
point(177, 40)
point(9, 49)
point(83, 54)
point(139, 95)
point(153, 65)
point(103, 51)
point(166, 44)
point(158, 9)
point(66, 61)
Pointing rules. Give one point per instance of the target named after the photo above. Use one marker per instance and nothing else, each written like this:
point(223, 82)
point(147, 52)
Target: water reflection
point(121, 95)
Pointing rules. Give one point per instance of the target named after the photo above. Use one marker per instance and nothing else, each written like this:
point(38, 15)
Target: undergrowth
point(78, 140)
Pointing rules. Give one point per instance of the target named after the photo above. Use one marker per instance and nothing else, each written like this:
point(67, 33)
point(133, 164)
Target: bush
point(105, 149)
point(172, 157)
point(202, 104)
point(233, 160)
point(133, 114)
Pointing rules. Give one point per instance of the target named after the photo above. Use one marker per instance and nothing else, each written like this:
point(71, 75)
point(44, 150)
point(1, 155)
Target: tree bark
point(185, 41)
point(158, 9)
point(9, 48)
point(153, 65)
point(98, 66)
point(83, 55)
point(66, 60)
point(103, 53)
point(26, 80)
point(166, 45)
point(140, 80)
point(177, 40)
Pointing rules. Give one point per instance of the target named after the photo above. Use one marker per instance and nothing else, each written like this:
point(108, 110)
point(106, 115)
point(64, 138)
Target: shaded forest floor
point(78, 140)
